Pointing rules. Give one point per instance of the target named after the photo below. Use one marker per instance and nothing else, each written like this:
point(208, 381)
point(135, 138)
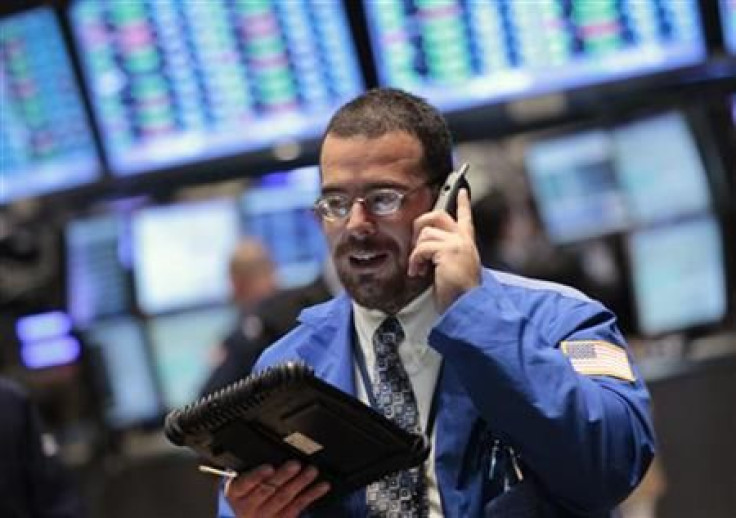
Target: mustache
point(353, 244)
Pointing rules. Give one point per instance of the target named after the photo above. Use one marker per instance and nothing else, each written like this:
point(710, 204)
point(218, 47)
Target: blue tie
point(403, 494)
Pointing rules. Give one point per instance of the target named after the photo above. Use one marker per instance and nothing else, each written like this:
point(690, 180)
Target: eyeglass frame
point(401, 196)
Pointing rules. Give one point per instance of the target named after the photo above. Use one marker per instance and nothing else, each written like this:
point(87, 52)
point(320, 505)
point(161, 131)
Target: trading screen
point(47, 144)
point(177, 81)
point(180, 254)
point(728, 22)
point(600, 181)
point(678, 275)
point(97, 265)
point(460, 53)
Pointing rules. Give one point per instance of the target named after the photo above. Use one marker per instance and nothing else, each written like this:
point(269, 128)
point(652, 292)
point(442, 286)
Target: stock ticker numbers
point(174, 81)
point(46, 141)
point(505, 48)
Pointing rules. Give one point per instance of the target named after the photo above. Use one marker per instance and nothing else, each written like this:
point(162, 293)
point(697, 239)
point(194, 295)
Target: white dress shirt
point(422, 364)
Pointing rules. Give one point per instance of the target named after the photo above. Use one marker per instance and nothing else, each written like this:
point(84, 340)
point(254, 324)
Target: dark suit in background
point(32, 483)
point(275, 317)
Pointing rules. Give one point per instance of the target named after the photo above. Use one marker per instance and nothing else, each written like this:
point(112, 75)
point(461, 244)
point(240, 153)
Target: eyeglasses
point(379, 202)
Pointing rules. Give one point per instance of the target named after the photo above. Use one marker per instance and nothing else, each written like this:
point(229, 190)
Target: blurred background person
point(32, 481)
point(265, 312)
point(253, 279)
point(493, 214)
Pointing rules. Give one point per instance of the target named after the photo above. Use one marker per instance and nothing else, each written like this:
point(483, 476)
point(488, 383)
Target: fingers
point(248, 493)
point(304, 499)
point(265, 492)
point(286, 489)
point(442, 220)
point(428, 243)
point(464, 214)
point(244, 484)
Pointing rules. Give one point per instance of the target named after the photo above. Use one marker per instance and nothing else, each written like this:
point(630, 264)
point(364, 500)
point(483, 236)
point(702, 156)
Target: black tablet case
point(286, 412)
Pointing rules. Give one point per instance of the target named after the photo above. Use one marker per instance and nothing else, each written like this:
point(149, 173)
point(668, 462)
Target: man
point(253, 279)
point(525, 387)
point(32, 483)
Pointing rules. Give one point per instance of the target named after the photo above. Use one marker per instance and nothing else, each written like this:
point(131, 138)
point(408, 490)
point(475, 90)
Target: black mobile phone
point(447, 198)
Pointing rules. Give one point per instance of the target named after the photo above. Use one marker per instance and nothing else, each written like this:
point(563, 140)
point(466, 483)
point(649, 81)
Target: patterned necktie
point(403, 494)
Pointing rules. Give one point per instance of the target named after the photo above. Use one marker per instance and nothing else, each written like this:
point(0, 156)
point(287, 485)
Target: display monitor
point(458, 53)
point(574, 182)
point(660, 168)
point(728, 23)
point(97, 268)
point(46, 141)
point(181, 253)
point(593, 182)
point(279, 213)
point(678, 275)
point(180, 82)
point(46, 340)
point(120, 350)
point(184, 346)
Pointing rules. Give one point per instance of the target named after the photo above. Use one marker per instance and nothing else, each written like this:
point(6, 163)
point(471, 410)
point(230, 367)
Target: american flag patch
point(598, 358)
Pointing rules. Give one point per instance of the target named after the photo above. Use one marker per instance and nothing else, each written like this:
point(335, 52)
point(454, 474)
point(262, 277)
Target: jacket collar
point(329, 352)
point(329, 349)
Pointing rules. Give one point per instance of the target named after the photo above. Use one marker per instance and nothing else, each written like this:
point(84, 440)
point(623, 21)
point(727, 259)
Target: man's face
point(371, 252)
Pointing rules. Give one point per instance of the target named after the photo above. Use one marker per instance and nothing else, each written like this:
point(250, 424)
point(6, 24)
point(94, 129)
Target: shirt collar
point(417, 319)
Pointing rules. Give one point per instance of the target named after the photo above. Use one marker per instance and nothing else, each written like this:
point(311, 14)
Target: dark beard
point(389, 294)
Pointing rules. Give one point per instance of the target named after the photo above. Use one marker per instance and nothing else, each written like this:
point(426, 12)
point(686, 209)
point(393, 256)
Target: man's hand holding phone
point(447, 245)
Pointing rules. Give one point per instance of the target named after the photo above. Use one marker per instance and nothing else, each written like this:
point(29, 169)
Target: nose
point(360, 220)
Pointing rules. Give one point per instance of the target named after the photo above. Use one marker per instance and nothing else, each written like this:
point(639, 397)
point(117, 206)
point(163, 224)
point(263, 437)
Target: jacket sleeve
point(587, 439)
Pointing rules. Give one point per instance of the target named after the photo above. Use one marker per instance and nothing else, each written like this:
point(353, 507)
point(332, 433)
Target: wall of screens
point(646, 181)
point(601, 181)
point(174, 82)
point(46, 141)
point(458, 54)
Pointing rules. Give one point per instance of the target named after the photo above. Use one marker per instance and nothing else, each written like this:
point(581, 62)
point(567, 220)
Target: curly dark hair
point(383, 110)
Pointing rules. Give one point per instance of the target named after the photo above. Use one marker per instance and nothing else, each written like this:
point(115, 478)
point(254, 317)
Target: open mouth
point(367, 260)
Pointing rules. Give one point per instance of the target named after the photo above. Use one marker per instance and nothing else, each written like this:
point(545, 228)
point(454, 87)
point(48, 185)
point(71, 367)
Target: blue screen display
point(175, 82)
point(600, 181)
point(574, 181)
point(660, 168)
point(97, 263)
point(181, 253)
point(279, 213)
point(678, 275)
point(47, 144)
point(131, 396)
point(184, 346)
point(46, 340)
point(728, 22)
point(458, 54)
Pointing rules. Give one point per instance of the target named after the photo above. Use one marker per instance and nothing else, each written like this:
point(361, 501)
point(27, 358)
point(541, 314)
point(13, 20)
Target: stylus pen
point(220, 472)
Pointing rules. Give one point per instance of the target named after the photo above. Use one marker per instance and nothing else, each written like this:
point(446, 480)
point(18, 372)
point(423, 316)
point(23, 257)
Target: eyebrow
point(371, 186)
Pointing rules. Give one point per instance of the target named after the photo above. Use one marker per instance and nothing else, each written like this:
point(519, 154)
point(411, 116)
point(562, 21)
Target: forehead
point(394, 157)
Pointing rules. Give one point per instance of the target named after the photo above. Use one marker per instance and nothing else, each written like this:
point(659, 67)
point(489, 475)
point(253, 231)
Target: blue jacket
point(585, 440)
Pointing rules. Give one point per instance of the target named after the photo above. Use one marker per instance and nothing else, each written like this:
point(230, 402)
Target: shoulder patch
point(598, 358)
